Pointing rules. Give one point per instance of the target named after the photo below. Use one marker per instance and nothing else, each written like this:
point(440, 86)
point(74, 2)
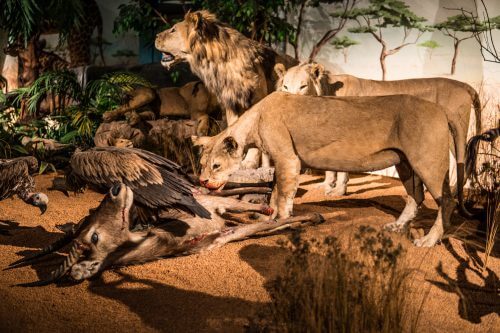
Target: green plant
point(25, 20)
point(327, 288)
point(431, 45)
point(139, 16)
point(76, 112)
point(383, 14)
point(59, 87)
point(343, 43)
point(259, 20)
point(459, 28)
point(22, 20)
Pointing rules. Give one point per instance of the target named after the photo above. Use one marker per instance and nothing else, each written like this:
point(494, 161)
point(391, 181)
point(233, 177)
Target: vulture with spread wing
point(16, 179)
point(157, 182)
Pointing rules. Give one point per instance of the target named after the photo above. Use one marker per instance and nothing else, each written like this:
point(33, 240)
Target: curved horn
point(71, 259)
point(58, 244)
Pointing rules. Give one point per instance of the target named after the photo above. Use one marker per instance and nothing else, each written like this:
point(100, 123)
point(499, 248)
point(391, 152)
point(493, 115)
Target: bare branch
point(330, 34)
point(242, 190)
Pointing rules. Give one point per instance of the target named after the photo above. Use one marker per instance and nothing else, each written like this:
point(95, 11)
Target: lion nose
point(203, 182)
point(116, 189)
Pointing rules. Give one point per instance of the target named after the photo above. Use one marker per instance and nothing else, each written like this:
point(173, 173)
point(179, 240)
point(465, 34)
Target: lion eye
point(303, 87)
point(172, 31)
point(216, 166)
point(285, 87)
point(94, 238)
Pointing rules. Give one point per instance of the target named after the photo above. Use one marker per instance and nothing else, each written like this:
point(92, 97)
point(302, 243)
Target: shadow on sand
point(34, 238)
point(164, 308)
point(476, 300)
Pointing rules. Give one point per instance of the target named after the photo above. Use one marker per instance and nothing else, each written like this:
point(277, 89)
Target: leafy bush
point(259, 20)
point(325, 288)
point(76, 112)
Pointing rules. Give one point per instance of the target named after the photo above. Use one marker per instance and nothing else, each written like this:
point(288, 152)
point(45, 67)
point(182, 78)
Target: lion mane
point(231, 65)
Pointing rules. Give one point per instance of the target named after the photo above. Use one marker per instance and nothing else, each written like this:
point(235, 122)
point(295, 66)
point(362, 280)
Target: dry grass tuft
point(325, 288)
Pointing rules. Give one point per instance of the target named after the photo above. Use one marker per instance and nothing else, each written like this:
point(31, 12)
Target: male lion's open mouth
point(167, 58)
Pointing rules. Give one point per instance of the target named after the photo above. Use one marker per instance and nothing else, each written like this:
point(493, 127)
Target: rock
point(252, 176)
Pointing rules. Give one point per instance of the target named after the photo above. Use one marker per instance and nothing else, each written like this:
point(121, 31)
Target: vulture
point(158, 183)
point(16, 179)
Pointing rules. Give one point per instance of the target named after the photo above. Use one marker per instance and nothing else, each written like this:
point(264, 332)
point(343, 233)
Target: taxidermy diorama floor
point(222, 289)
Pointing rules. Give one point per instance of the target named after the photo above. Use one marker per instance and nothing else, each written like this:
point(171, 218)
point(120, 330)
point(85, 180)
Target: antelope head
point(103, 238)
point(106, 237)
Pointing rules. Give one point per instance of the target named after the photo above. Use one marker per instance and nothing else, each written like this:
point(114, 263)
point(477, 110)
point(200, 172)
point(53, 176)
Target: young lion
point(366, 133)
point(456, 98)
point(191, 101)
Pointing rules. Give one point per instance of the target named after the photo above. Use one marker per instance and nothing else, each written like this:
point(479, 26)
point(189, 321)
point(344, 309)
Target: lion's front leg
point(273, 202)
point(138, 97)
point(287, 181)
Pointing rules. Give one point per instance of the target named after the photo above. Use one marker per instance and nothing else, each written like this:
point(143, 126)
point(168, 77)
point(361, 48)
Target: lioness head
point(221, 156)
point(106, 236)
point(175, 43)
point(303, 79)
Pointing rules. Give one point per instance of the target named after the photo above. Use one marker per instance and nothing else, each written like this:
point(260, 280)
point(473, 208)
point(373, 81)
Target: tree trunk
point(28, 64)
point(299, 28)
point(383, 55)
point(455, 54)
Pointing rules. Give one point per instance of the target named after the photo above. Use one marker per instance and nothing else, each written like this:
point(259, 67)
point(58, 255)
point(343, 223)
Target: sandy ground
point(220, 290)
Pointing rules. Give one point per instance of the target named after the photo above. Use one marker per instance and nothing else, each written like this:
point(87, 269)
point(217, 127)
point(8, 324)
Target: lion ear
point(195, 19)
point(200, 141)
point(230, 145)
point(280, 70)
point(317, 70)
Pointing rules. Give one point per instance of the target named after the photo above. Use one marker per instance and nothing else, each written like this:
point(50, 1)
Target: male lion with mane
point(364, 134)
point(237, 70)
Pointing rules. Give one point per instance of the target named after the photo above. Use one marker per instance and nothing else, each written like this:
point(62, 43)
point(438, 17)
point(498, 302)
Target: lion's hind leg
point(435, 176)
point(415, 190)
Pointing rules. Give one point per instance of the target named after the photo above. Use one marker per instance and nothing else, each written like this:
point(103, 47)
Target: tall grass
point(327, 288)
point(485, 189)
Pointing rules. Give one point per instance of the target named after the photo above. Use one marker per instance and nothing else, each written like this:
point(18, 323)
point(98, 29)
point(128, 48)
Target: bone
point(244, 231)
point(242, 190)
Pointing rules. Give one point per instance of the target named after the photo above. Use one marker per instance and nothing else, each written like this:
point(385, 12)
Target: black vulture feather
point(157, 182)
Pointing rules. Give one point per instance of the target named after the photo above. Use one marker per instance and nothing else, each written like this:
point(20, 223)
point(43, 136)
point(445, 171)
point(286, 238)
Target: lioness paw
point(336, 191)
point(428, 240)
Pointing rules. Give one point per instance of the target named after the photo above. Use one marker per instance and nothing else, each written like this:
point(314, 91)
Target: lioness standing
point(347, 134)
point(456, 98)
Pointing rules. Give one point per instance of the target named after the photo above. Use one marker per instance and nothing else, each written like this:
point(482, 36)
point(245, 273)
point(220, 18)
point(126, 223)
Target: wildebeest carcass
point(157, 182)
point(16, 179)
point(104, 238)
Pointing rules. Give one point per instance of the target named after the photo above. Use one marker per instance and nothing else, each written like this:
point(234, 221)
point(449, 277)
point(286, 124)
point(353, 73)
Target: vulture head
point(39, 200)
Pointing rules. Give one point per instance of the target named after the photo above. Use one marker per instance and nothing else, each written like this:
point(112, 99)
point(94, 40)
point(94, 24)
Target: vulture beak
point(43, 208)
point(39, 200)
